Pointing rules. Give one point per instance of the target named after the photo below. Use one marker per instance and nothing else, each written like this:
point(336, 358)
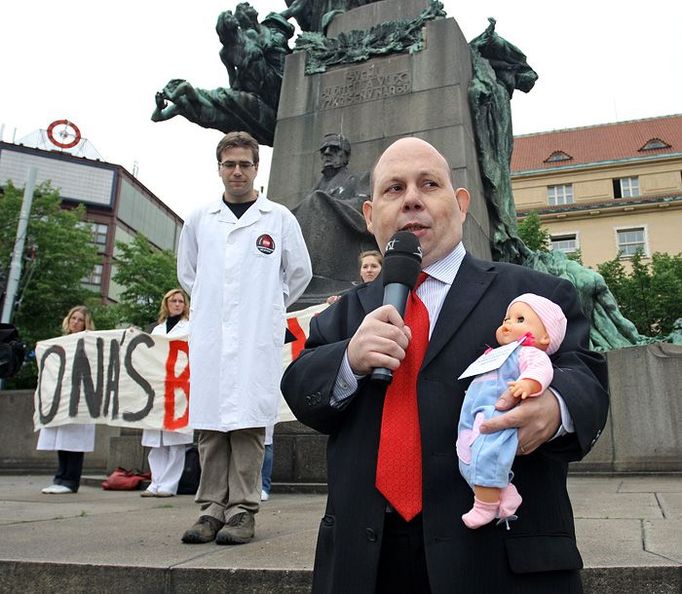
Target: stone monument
point(374, 103)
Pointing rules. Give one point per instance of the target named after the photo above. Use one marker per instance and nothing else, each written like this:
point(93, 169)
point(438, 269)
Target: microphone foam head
point(402, 259)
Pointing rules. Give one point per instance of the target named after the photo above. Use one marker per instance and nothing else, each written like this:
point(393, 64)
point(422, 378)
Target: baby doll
point(538, 325)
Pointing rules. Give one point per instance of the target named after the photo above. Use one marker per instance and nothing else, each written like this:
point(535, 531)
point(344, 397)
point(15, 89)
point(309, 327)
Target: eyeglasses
point(232, 165)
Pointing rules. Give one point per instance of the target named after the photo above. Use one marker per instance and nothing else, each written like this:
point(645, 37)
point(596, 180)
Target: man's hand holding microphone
point(379, 344)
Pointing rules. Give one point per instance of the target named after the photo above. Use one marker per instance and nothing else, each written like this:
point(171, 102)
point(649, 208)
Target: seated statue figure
point(331, 219)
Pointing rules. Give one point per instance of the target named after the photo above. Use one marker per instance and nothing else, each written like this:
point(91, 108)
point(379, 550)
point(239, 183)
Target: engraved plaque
point(365, 83)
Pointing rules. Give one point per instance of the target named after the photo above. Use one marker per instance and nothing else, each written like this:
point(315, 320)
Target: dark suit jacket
point(539, 553)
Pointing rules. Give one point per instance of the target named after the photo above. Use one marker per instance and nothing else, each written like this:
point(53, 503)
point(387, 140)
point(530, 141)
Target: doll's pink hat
point(551, 315)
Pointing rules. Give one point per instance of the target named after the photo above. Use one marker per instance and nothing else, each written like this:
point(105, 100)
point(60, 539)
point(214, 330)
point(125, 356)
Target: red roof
point(604, 142)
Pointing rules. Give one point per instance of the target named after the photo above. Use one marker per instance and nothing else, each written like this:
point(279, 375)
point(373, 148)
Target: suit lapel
point(372, 295)
point(472, 281)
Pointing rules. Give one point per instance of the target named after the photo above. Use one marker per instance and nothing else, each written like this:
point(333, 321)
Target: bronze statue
point(332, 221)
point(315, 15)
point(499, 68)
point(221, 109)
point(336, 179)
point(389, 37)
point(253, 54)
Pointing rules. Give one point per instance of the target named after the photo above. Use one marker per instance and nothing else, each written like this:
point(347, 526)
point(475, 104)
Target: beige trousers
point(230, 472)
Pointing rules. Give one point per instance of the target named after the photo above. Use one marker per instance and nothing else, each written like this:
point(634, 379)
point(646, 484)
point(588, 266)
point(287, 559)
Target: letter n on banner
point(176, 382)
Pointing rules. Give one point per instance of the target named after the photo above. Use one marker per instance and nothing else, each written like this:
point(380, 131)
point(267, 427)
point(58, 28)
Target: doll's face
point(521, 319)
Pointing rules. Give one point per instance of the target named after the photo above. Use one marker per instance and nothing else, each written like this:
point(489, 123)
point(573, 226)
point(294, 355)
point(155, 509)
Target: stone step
point(628, 530)
point(47, 576)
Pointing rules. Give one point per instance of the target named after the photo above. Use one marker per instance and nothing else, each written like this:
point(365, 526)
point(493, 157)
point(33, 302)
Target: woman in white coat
point(167, 454)
point(72, 440)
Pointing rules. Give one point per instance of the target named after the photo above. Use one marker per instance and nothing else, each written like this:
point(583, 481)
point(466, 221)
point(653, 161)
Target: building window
point(567, 243)
point(558, 195)
point(655, 143)
point(630, 240)
point(558, 156)
point(99, 234)
point(626, 187)
point(94, 279)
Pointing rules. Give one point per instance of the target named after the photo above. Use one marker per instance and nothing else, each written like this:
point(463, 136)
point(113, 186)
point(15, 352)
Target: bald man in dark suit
point(364, 545)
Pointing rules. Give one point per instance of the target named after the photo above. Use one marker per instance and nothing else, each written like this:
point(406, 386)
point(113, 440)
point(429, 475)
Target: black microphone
point(402, 264)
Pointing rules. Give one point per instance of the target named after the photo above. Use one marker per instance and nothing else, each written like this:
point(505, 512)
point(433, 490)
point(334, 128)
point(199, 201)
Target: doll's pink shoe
point(481, 514)
point(509, 503)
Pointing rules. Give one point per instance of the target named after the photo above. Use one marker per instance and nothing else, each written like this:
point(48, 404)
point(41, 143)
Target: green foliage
point(533, 234)
point(649, 294)
point(58, 253)
point(105, 316)
point(147, 274)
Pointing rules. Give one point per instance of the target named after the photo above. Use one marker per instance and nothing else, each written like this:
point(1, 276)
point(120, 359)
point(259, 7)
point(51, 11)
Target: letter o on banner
point(61, 356)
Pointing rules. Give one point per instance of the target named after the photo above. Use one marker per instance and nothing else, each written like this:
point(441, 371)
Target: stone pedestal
point(126, 450)
point(376, 102)
point(644, 429)
point(18, 454)
point(300, 454)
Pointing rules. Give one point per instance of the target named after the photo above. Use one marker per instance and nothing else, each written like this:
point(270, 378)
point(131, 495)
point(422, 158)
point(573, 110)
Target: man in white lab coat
point(243, 260)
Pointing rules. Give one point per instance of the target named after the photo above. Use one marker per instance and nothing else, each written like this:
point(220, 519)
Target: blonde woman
point(167, 453)
point(371, 263)
point(72, 440)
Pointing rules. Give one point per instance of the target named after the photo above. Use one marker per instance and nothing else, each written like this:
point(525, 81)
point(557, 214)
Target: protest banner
point(298, 323)
point(128, 378)
point(125, 378)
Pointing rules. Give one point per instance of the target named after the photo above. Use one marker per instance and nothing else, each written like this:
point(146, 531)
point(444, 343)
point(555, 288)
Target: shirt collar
point(262, 204)
point(446, 268)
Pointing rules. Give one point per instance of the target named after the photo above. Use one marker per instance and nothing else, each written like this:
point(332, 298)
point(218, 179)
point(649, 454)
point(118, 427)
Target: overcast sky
point(100, 64)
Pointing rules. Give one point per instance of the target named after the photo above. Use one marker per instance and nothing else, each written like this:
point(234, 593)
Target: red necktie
point(399, 464)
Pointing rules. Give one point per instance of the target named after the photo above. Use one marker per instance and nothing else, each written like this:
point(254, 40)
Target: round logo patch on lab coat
point(265, 244)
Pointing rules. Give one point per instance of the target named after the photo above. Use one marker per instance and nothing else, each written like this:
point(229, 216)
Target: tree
point(58, 253)
point(147, 274)
point(533, 234)
point(650, 294)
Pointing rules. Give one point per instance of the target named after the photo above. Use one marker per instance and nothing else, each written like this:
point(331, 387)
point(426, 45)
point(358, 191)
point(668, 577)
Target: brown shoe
point(203, 531)
point(239, 529)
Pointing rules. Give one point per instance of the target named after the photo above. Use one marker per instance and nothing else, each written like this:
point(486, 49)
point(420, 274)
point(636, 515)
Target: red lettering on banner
point(174, 382)
point(297, 331)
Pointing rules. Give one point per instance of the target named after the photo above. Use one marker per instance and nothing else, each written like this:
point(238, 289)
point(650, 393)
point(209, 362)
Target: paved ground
point(629, 532)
